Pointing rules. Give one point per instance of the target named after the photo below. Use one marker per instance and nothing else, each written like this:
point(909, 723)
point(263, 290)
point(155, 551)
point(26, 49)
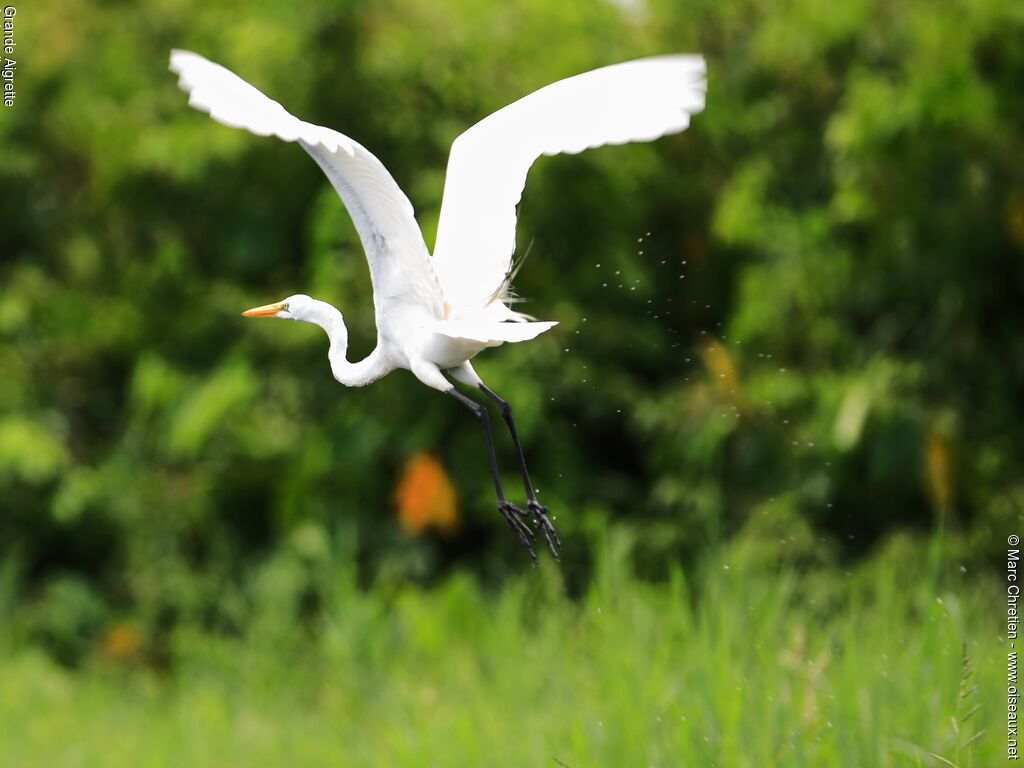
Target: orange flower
point(425, 496)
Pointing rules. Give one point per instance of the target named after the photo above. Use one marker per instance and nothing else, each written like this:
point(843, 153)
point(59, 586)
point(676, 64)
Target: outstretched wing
point(635, 101)
point(400, 266)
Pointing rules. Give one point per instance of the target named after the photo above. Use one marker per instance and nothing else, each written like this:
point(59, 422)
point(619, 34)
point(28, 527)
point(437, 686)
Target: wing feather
point(636, 101)
point(400, 265)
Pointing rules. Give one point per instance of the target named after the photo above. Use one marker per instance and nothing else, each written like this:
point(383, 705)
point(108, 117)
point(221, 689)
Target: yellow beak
point(267, 310)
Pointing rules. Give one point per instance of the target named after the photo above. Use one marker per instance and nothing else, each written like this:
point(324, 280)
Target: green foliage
point(743, 666)
point(803, 313)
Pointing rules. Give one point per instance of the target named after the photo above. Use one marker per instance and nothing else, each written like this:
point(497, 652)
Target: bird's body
point(436, 313)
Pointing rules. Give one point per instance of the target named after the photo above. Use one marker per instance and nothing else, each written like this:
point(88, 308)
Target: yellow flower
point(1015, 217)
point(122, 642)
point(938, 455)
point(725, 375)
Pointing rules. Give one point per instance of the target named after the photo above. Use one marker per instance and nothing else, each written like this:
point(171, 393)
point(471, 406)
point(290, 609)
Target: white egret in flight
point(434, 314)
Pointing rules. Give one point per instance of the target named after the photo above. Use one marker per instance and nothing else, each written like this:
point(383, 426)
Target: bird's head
point(309, 310)
point(297, 307)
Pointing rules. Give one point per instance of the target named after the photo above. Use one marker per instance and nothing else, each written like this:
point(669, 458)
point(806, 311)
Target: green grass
point(747, 665)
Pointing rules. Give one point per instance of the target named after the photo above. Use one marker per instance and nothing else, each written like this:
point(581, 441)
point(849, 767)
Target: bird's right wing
point(399, 262)
point(476, 234)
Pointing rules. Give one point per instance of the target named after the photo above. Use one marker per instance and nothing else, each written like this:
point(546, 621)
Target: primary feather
point(635, 101)
point(383, 216)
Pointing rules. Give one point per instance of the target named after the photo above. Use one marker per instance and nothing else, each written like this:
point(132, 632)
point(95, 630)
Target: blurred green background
point(780, 424)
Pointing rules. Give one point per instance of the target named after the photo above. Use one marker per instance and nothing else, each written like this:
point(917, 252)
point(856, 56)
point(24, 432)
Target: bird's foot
point(540, 517)
point(514, 516)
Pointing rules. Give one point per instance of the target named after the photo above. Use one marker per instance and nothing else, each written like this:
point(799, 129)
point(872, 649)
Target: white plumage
point(636, 101)
point(435, 314)
point(383, 216)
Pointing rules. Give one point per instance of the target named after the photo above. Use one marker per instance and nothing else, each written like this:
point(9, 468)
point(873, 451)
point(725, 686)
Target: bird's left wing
point(476, 234)
point(399, 262)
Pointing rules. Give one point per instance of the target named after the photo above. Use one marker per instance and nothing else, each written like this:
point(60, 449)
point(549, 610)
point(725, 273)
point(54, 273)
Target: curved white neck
point(367, 370)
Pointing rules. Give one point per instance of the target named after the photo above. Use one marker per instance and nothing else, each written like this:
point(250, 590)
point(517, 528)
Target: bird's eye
point(285, 307)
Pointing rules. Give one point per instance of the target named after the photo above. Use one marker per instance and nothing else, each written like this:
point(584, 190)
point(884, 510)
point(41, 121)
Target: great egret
point(434, 314)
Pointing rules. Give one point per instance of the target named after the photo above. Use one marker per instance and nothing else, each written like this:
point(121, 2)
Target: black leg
point(512, 514)
point(539, 512)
